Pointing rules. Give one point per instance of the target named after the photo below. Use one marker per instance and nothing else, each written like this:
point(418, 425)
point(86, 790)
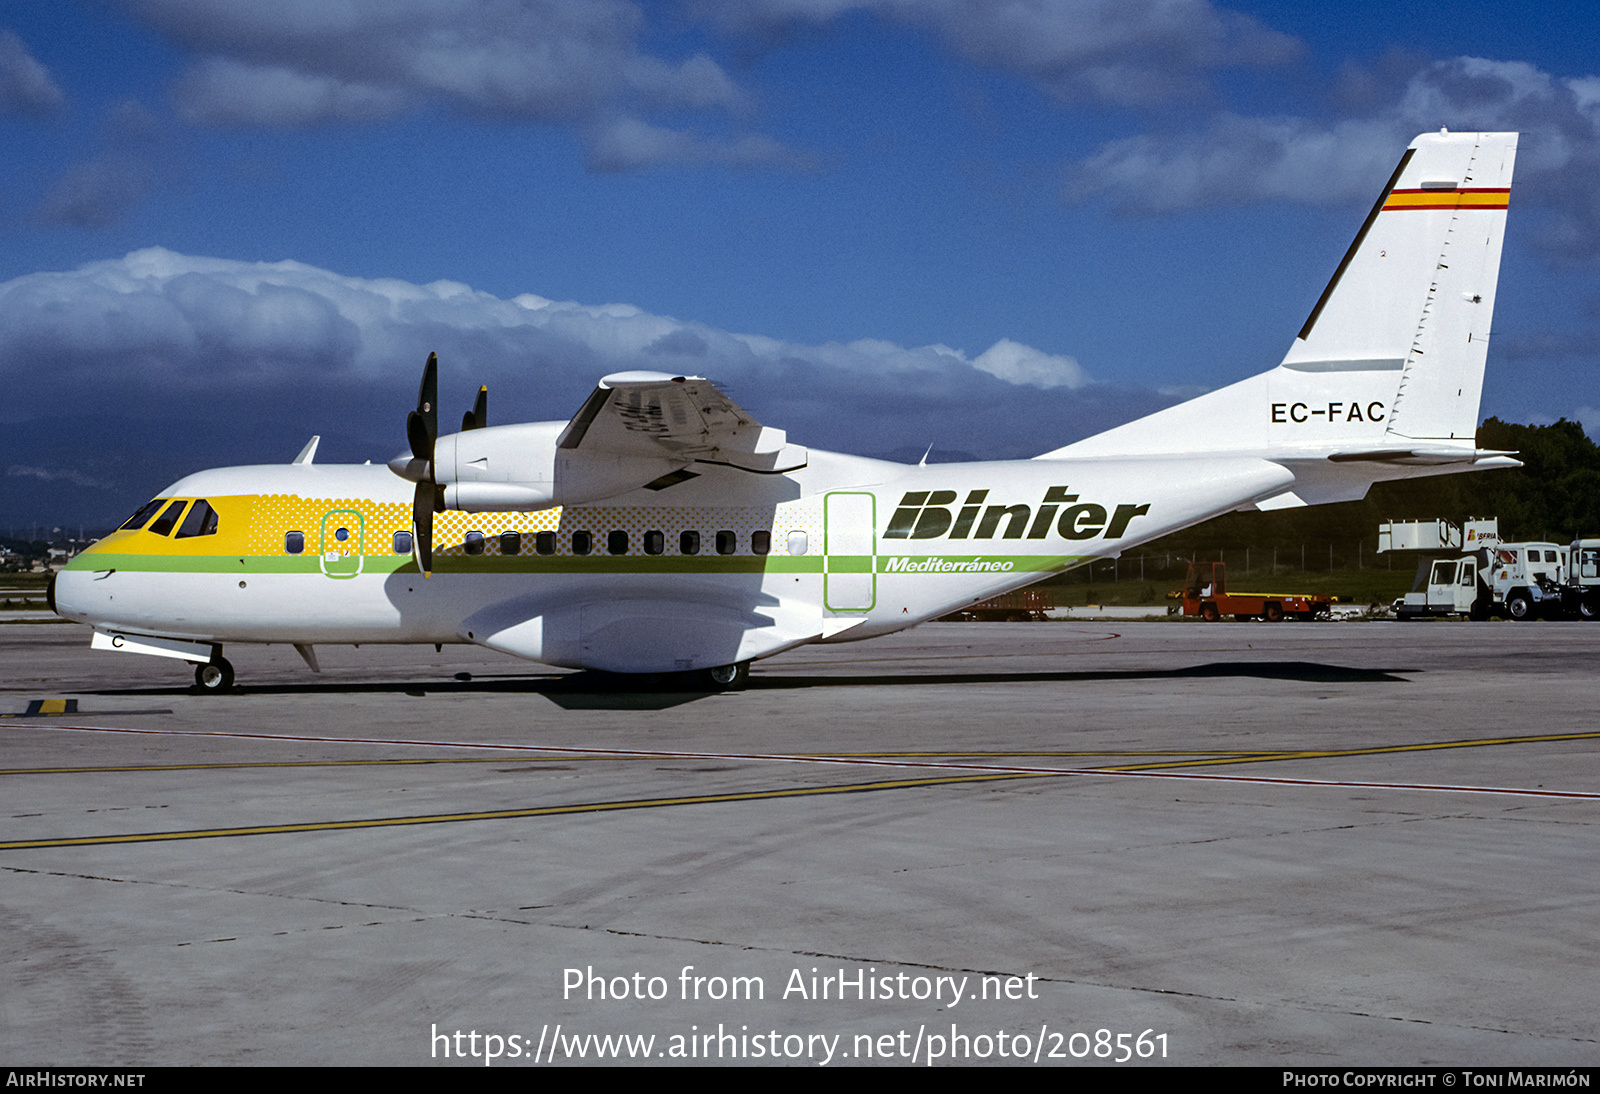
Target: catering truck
point(1518, 581)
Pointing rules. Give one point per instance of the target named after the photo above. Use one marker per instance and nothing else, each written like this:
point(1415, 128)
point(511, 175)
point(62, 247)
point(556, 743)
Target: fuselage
point(725, 565)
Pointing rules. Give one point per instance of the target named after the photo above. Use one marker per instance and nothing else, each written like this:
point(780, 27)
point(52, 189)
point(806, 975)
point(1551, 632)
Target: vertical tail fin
point(1415, 293)
point(1393, 352)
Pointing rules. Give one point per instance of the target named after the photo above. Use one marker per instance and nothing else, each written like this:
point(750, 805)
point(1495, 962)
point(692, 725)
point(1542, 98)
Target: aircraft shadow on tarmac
point(601, 691)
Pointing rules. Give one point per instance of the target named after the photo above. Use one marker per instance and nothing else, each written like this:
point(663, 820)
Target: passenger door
point(343, 543)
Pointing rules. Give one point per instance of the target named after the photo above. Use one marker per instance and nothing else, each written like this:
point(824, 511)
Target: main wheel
point(214, 676)
point(1589, 609)
point(1519, 607)
point(729, 677)
point(1209, 613)
point(1274, 612)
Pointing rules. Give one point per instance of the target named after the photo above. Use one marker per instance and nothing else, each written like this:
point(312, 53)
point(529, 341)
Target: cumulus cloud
point(1126, 52)
point(163, 333)
point(1243, 160)
point(25, 85)
point(1019, 364)
point(306, 62)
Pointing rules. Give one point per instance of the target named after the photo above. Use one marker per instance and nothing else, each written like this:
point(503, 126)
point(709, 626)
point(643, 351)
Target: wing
point(655, 415)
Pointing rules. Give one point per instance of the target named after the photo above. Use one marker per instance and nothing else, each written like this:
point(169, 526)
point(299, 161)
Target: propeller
point(422, 432)
point(478, 416)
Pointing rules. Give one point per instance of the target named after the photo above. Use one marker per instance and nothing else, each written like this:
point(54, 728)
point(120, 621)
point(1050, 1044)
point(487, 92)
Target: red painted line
point(1265, 780)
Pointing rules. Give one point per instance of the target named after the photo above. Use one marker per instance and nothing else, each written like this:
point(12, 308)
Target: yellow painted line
point(508, 814)
point(1375, 750)
point(131, 768)
point(301, 763)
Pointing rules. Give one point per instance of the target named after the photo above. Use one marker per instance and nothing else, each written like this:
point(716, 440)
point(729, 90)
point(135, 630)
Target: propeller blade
point(422, 425)
point(422, 527)
point(478, 416)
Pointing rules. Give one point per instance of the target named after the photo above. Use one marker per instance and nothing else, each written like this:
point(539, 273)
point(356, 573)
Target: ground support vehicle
point(1205, 593)
point(1582, 592)
point(1024, 606)
point(1520, 581)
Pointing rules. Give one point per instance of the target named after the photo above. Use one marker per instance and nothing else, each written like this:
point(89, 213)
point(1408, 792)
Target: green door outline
point(849, 551)
point(343, 558)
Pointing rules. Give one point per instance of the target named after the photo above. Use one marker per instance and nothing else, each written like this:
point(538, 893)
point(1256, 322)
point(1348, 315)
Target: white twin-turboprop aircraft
point(663, 530)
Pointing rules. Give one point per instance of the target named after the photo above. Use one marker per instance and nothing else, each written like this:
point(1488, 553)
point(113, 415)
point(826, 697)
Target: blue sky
point(993, 227)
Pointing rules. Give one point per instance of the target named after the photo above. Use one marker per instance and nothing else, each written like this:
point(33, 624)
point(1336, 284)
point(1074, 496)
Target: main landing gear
point(728, 677)
point(214, 676)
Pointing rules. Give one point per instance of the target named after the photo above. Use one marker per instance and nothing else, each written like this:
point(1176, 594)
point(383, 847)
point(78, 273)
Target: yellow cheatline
point(509, 814)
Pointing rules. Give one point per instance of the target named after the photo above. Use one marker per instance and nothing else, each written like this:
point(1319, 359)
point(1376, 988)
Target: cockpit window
point(201, 521)
point(164, 523)
point(145, 512)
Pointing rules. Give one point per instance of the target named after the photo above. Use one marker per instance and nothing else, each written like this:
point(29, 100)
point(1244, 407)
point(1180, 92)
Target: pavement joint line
point(968, 773)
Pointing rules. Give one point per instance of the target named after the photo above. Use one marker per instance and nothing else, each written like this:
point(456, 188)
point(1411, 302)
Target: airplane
point(663, 530)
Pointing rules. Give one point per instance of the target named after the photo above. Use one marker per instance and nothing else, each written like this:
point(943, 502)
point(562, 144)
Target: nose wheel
point(214, 676)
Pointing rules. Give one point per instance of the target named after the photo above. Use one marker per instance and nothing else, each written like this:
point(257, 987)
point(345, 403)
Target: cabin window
point(689, 543)
point(582, 543)
point(402, 543)
point(201, 521)
point(799, 543)
point(511, 543)
point(617, 542)
point(545, 543)
point(147, 511)
point(761, 543)
point(294, 543)
point(727, 542)
point(473, 543)
point(164, 523)
point(654, 543)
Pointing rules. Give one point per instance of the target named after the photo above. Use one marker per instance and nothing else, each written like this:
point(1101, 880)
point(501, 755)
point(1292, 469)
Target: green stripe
point(566, 564)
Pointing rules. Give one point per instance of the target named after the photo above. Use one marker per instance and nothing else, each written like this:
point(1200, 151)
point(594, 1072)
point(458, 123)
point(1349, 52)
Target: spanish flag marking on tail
point(1487, 197)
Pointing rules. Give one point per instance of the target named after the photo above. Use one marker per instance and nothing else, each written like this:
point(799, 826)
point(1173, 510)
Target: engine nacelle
point(521, 468)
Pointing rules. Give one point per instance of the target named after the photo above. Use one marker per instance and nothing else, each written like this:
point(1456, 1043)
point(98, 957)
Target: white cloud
point(1128, 52)
point(163, 332)
point(1242, 160)
point(25, 85)
point(308, 62)
point(1019, 364)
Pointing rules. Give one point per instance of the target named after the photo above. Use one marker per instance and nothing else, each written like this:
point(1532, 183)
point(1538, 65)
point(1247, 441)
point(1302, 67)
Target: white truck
point(1583, 578)
point(1517, 580)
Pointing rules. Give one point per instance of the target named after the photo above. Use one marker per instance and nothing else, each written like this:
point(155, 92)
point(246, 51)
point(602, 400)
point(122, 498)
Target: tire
point(214, 676)
point(1274, 612)
point(728, 677)
point(1519, 606)
point(1589, 608)
point(1209, 613)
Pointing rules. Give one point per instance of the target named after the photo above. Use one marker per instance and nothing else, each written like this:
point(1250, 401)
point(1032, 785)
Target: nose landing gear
point(214, 676)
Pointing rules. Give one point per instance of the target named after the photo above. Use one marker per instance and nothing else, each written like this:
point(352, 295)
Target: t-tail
point(1384, 379)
